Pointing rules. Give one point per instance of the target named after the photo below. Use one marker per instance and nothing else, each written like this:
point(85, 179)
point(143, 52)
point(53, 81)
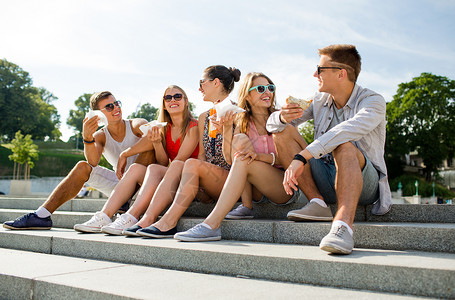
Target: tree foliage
point(24, 151)
point(422, 117)
point(76, 116)
point(25, 107)
point(306, 130)
point(146, 111)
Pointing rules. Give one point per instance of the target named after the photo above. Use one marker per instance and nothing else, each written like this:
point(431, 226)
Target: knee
point(191, 165)
point(285, 135)
point(344, 149)
point(240, 140)
point(135, 168)
point(82, 167)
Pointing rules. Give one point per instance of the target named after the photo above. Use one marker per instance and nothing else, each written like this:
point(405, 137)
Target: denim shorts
point(324, 174)
point(295, 197)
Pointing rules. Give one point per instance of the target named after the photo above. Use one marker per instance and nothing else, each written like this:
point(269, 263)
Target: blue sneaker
point(131, 231)
point(154, 232)
point(199, 233)
point(29, 221)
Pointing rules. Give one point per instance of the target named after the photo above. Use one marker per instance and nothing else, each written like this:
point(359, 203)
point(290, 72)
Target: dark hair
point(97, 97)
point(225, 75)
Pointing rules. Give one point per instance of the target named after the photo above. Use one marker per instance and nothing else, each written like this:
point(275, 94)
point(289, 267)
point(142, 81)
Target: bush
point(425, 188)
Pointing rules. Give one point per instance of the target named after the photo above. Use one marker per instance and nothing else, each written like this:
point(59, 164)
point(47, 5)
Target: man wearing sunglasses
point(109, 141)
point(345, 163)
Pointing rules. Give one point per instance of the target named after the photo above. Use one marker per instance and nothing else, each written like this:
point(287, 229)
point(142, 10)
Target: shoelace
point(340, 231)
point(121, 221)
point(24, 217)
point(96, 218)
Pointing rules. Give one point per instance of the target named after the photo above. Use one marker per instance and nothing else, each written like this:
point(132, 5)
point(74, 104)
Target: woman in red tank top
point(172, 144)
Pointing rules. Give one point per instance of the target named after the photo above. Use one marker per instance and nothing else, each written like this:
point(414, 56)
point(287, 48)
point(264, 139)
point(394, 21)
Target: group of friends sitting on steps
point(257, 155)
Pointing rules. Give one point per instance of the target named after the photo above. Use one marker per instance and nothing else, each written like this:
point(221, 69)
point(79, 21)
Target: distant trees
point(25, 107)
point(422, 117)
point(146, 111)
point(76, 116)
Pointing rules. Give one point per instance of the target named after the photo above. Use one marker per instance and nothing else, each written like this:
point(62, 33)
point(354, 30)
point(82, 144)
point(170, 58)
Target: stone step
point(431, 237)
point(403, 272)
point(60, 277)
point(417, 213)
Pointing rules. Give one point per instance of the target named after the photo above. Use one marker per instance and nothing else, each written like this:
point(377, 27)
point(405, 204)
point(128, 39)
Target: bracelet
point(301, 158)
point(273, 161)
point(89, 142)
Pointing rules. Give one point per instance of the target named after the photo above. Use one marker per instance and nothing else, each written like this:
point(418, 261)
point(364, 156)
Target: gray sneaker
point(240, 212)
point(311, 212)
point(199, 233)
point(339, 241)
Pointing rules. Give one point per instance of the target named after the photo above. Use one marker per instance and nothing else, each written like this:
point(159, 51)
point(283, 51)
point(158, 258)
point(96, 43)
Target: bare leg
point(195, 173)
point(349, 181)
point(125, 189)
point(266, 178)
point(288, 143)
point(69, 187)
point(162, 191)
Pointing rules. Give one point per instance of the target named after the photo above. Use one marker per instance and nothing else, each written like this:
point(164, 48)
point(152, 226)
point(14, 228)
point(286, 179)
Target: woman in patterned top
point(254, 159)
point(175, 142)
point(203, 177)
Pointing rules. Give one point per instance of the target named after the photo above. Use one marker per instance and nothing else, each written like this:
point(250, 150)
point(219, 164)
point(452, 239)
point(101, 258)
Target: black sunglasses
point(177, 97)
point(323, 68)
point(110, 107)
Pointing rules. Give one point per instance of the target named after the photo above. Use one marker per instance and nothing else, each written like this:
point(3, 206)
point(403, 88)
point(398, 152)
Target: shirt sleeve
point(371, 112)
point(274, 124)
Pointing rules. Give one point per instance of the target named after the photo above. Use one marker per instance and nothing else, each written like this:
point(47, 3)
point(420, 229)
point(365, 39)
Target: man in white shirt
point(345, 163)
point(109, 141)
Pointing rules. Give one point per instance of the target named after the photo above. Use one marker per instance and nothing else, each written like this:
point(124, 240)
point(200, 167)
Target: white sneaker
point(98, 220)
point(122, 222)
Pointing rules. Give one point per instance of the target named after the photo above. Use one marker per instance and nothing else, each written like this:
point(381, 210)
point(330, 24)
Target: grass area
point(51, 161)
point(425, 188)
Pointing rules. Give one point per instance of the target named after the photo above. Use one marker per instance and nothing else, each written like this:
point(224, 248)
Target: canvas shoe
point(29, 221)
point(240, 212)
point(338, 241)
point(122, 222)
point(98, 220)
point(311, 212)
point(131, 231)
point(199, 233)
point(154, 232)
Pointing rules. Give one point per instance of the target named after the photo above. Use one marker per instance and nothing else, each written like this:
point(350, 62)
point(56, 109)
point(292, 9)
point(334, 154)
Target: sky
point(136, 48)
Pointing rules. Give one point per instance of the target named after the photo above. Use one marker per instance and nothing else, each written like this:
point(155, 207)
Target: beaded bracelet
point(89, 142)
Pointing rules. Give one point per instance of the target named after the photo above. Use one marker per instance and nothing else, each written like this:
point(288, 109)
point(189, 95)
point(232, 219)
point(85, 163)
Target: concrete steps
point(415, 213)
point(409, 251)
point(404, 272)
point(28, 275)
point(433, 237)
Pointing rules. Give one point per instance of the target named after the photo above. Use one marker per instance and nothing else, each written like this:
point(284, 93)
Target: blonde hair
point(243, 119)
point(164, 115)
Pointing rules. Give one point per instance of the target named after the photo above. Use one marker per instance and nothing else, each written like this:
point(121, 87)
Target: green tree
point(76, 116)
point(24, 151)
point(306, 130)
point(422, 117)
point(25, 107)
point(146, 111)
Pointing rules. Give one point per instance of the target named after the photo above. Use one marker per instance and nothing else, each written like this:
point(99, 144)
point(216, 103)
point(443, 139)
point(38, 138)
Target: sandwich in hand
point(304, 103)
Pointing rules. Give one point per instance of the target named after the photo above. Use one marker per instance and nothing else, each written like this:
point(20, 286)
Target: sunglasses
point(177, 97)
point(261, 88)
point(324, 68)
point(202, 81)
point(110, 107)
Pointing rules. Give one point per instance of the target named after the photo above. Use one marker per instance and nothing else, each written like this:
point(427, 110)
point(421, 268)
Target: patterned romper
point(213, 147)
